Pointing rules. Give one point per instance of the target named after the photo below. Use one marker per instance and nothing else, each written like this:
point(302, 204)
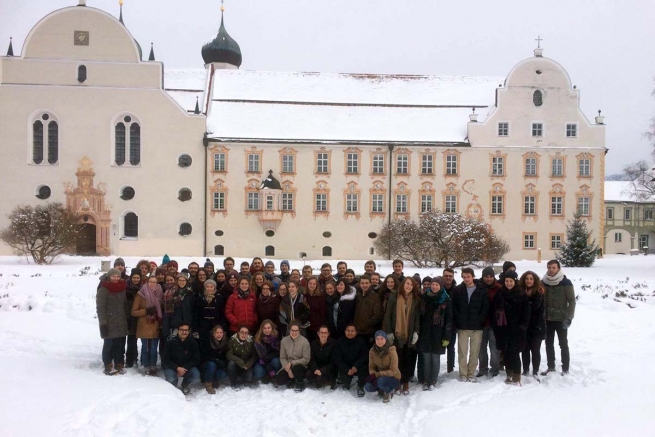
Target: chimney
point(538, 52)
point(473, 117)
point(600, 119)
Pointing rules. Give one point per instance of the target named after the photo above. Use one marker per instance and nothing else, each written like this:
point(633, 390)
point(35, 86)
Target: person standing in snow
point(111, 307)
point(132, 288)
point(181, 358)
point(241, 307)
point(488, 338)
point(147, 310)
point(537, 327)
point(560, 310)
point(449, 285)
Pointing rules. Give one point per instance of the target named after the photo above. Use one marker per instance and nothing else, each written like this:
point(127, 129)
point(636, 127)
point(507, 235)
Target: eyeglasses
point(295, 330)
point(243, 332)
point(323, 333)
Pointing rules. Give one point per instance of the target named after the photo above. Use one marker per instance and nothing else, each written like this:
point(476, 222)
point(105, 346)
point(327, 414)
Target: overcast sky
point(607, 46)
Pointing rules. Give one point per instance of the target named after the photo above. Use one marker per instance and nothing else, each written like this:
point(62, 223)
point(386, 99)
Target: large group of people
point(289, 329)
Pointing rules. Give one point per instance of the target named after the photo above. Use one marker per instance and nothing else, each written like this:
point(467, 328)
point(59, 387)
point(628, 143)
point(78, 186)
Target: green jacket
point(560, 301)
point(242, 353)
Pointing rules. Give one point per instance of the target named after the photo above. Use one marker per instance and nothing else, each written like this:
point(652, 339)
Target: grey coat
point(112, 311)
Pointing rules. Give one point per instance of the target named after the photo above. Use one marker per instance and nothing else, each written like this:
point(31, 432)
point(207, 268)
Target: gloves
point(196, 335)
point(390, 338)
point(445, 343)
point(414, 338)
point(104, 331)
point(151, 311)
point(566, 324)
point(370, 378)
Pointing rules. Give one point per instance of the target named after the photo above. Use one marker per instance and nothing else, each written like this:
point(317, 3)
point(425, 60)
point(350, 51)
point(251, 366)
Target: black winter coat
point(431, 335)
point(178, 353)
point(537, 325)
point(470, 315)
point(322, 356)
point(206, 314)
point(510, 331)
point(182, 314)
point(345, 313)
point(350, 353)
point(216, 355)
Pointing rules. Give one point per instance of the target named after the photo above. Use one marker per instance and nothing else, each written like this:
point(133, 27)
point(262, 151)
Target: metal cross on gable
point(539, 39)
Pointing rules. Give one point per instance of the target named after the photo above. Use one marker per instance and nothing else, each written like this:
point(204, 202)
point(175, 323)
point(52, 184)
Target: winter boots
point(120, 368)
point(516, 379)
point(360, 391)
point(508, 380)
point(109, 370)
point(210, 388)
point(299, 387)
point(387, 397)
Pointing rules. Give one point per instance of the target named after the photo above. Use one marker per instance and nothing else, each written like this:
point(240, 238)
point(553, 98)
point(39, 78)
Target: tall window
point(130, 225)
point(531, 166)
point(253, 201)
point(537, 98)
point(401, 203)
point(321, 162)
point(643, 241)
point(426, 203)
point(378, 163)
point(537, 129)
point(583, 205)
point(497, 166)
point(627, 214)
point(321, 202)
point(451, 204)
point(609, 214)
point(269, 203)
point(352, 163)
point(127, 131)
point(648, 214)
point(219, 201)
point(529, 205)
point(557, 168)
point(497, 203)
point(584, 167)
point(555, 241)
point(45, 140)
point(219, 162)
point(352, 203)
point(451, 164)
point(269, 251)
point(253, 163)
point(571, 130)
point(529, 241)
point(402, 164)
point(287, 164)
point(426, 164)
point(287, 201)
point(377, 203)
point(618, 237)
point(326, 251)
point(503, 129)
point(556, 203)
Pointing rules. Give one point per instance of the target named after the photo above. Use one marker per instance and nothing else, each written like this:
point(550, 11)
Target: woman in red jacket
point(241, 308)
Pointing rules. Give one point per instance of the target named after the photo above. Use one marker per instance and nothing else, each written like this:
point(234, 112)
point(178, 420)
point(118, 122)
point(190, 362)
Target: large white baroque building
point(224, 161)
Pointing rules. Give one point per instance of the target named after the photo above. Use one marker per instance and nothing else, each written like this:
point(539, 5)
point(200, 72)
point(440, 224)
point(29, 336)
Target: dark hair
point(375, 274)
point(449, 270)
point(241, 326)
point(221, 271)
point(342, 262)
point(535, 288)
point(294, 323)
point(370, 261)
point(397, 261)
point(192, 263)
point(468, 270)
point(229, 258)
point(183, 324)
point(270, 286)
point(326, 265)
point(244, 278)
point(384, 283)
point(245, 263)
point(349, 325)
point(365, 277)
point(554, 261)
point(345, 284)
point(324, 326)
point(350, 271)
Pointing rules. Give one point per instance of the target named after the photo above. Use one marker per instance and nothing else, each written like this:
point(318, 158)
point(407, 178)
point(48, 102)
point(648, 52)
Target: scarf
point(153, 298)
point(169, 291)
point(553, 280)
point(132, 289)
point(243, 294)
point(271, 340)
point(381, 351)
point(114, 287)
point(179, 295)
point(216, 344)
point(209, 297)
point(438, 301)
point(403, 307)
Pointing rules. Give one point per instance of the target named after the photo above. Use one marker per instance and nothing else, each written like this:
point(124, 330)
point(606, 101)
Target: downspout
point(391, 146)
point(205, 142)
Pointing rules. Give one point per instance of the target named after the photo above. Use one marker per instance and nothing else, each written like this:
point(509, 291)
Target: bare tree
point(42, 232)
point(642, 184)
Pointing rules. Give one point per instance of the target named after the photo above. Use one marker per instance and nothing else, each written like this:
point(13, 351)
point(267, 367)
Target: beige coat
point(144, 327)
point(295, 351)
point(384, 366)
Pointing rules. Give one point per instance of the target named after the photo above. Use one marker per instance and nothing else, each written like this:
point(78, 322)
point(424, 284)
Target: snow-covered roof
point(620, 191)
point(283, 106)
point(185, 85)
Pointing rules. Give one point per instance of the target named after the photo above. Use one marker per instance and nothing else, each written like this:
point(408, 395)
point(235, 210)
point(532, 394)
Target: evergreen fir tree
point(578, 251)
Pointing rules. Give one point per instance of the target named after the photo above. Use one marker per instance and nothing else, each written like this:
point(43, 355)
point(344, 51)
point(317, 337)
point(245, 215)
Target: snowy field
point(52, 381)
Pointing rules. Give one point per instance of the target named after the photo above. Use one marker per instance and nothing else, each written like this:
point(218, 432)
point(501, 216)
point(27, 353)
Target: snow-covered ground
point(52, 382)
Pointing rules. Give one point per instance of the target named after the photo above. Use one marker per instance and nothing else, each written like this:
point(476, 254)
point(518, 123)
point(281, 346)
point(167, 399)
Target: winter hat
point(165, 260)
point(285, 261)
point(511, 275)
point(417, 278)
point(488, 271)
point(119, 262)
point(269, 263)
point(380, 333)
point(233, 274)
point(185, 275)
point(113, 272)
point(439, 280)
point(135, 272)
point(507, 265)
point(153, 264)
point(171, 264)
point(426, 279)
point(209, 263)
point(210, 281)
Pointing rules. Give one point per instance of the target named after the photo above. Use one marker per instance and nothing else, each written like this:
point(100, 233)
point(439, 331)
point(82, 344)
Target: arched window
point(219, 250)
point(269, 251)
point(131, 225)
point(81, 73)
point(127, 131)
point(538, 98)
point(45, 140)
point(327, 251)
point(185, 229)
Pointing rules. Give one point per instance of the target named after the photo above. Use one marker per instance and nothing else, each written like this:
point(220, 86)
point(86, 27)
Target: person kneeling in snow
point(181, 358)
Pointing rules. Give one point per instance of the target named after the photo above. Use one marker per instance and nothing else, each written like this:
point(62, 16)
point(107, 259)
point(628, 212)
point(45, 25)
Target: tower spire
point(10, 50)
point(197, 110)
point(120, 18)
point(152, 52)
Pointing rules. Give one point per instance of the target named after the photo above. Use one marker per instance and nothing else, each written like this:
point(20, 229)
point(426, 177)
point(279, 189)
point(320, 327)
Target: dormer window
point(537, 98)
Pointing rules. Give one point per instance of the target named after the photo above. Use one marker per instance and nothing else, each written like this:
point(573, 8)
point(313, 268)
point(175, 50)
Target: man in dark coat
point(449, 285)
point(350, 357)
point(560, 309)
point(470, 311)
point(181, 358)
point(488, 337)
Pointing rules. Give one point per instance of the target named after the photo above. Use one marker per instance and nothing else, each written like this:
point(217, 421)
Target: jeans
point(262, 370)
point(235, 372)
point(213, 373)
point(385, 383)
point(551, 329)
point(420, 368)
point(113, 349)
point(298, 371)
point(407, 362)
point(132, 352)
point(450, 356)
point(149, 352)
point(431, 364)
point(192, 375)
point(488, 338)
point(532, 347)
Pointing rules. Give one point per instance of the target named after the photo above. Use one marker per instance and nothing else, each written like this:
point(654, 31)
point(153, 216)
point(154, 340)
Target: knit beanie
point(209, 263)
point(488, 271)
point(211, 282)
point(136, 272)
point(439, 280)
point(426, 279)
point(285, 261)
point(119, 262)
point(172, 263)
point(113, 272)
point(507, 265)
point(269, 263)
point(511, 275)
point(417, 278)
point(165, 260)
point(233, 274)
point(380, 333)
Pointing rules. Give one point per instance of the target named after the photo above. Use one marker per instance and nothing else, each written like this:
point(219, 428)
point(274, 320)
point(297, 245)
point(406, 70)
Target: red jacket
point(240, 310)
